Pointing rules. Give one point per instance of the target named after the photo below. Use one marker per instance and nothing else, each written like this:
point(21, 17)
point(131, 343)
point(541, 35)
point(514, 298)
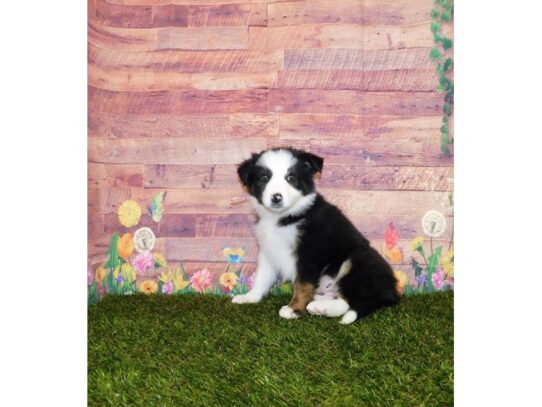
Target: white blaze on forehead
point(278, 161)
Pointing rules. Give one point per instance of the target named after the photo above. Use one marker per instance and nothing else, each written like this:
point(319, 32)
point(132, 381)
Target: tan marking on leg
point(303, 294)
point(344, 270)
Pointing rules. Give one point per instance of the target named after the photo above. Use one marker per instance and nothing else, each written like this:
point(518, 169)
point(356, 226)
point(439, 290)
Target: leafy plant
point(443, 13)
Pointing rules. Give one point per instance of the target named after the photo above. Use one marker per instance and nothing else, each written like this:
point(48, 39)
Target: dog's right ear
point(244, 168)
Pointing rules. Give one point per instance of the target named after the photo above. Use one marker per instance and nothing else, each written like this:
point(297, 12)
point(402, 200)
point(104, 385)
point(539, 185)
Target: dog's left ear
point(243, 170)
point(313, 162)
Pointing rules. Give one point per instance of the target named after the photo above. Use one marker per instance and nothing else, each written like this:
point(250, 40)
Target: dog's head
point(277, 179)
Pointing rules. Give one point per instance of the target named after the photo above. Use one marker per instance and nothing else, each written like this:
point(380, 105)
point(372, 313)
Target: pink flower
point(143, 262)
point(391, 236)
point(438, 279)
point(90, 276)
point(167, 288)
point(201, 280)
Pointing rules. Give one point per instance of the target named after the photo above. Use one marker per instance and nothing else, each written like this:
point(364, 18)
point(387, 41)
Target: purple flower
point(120, 278)
point(90, 276)
point(167, 288)
point(421, 279)
point(438, 279)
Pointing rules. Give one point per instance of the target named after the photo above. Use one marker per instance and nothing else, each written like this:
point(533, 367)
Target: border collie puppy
point(306, 240)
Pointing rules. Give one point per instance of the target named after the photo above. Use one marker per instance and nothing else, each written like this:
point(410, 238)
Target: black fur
point(327, 239)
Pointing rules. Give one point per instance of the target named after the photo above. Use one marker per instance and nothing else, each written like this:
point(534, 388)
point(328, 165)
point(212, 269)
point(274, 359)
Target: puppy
point(306, 240)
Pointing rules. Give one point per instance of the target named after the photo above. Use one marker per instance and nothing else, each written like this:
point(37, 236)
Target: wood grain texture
point(181, 91)
point(175, 61)
point(228, 15)
point(386, 12)
point(172, 151)
point(400, 80)
point(317, 59)
point(177, 101)
point(340, 36)
point(355, 102)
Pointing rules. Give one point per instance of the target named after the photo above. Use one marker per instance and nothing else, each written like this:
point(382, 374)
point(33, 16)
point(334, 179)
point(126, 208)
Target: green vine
point(440, 53)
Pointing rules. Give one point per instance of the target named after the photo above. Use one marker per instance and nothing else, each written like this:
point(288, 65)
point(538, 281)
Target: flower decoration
point(179, 282)
point(395, 255)
point(144, 239)
point(201, 280)
point(166, 276)
point(433, 223)
point(148, 287)
point(100, 275)
point(234, 255)
point(167, 288)
point(90, 276)
point(402, 280)
point(447, 262)
point(159, 260)
point(228, 280)
point(417, 244)
point(391, 236)
point(438, 279)
point(128, 272)
point(143, 262)
point(129, 213)
point(125, 246)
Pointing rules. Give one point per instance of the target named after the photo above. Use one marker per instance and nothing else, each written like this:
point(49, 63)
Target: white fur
point(277, 243)
point(329, 308)
point(349, 317)
point(279, 162)
point(287, 313)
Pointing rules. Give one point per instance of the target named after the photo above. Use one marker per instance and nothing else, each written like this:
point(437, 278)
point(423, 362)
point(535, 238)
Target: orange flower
point(394, 255)
point(125, 246)
point(391, 236)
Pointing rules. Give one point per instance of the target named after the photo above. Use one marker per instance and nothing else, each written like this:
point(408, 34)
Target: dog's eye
point(264, 178)
point(290, 178)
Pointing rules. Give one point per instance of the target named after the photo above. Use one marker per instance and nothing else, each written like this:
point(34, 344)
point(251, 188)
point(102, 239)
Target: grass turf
point(203, 350)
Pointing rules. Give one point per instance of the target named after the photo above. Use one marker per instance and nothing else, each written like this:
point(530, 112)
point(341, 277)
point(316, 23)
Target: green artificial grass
point(205, 351)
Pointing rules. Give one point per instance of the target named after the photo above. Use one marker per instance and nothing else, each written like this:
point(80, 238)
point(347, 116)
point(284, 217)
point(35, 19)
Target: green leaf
point(445, 149)
point(435, 54)
point(445, 119)
point(416, 266)
point(444, 129)
point(113, 253)
point(446, 108)
point(446, 16)
point(449, 97)
point(444, 139)
point(448, 64)
point(434, 14)
point(433, 261)
point(435, 27)
point(444, 82)
point(446, 43)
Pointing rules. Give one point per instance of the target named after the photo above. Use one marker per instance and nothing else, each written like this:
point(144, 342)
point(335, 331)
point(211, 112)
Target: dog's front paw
point(288, 313)
point(248, 298)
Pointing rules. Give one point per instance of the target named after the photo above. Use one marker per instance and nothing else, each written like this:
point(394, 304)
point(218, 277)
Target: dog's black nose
point(276, 198)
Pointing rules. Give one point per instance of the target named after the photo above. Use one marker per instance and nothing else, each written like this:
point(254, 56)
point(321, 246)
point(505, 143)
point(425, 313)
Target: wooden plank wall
point(180, 91)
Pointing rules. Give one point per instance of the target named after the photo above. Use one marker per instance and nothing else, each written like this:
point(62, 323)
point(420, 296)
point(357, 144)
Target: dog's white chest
point(278, 244)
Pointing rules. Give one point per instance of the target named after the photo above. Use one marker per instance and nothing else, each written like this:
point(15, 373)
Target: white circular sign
point(144, 240)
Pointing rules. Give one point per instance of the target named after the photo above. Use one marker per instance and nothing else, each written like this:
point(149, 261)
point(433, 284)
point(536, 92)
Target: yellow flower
point(100, 275)
point(125, 246)
point(116, 272)
point(179, 282)
point(447, 263)
point(416, 243)
point(228, 280)
point(402, 280)
point(129, 213)
point(148, 287)
point(395, 255)
point(166, 276)
point(128, 272)
point(159, 260)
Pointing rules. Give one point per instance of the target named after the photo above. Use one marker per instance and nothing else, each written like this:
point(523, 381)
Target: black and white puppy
point(308, 241)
